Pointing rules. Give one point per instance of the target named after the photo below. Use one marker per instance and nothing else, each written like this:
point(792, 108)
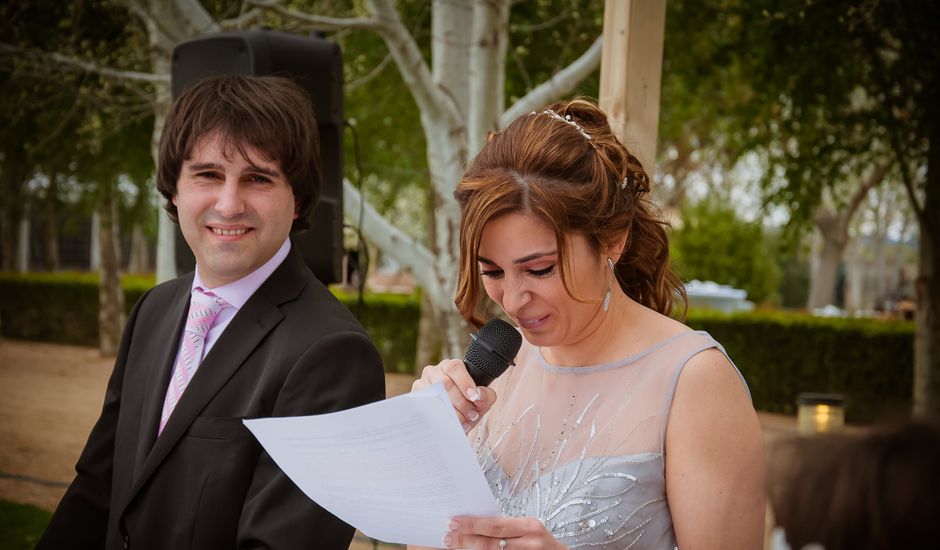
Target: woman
point(618, 427)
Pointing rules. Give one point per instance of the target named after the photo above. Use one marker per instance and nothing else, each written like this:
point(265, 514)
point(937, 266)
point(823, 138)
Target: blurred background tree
point(715, 244)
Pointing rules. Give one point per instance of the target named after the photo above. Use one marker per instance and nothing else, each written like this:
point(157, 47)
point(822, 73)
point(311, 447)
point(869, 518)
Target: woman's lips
point(532, 322)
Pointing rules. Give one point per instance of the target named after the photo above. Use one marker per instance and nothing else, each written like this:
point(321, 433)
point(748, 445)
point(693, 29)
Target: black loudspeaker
point(316, 65)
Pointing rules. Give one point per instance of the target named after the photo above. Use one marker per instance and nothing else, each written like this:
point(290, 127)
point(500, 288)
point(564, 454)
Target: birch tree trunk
point(428, 349)
point(110, 293)
point(833, 227)
point(22, 242)
point(446, 135)
point(882, 213)
point(51, 225)
point(139, 261)
point(12, 182)
point(822, 289)
point(94, 254)
point(927, 336)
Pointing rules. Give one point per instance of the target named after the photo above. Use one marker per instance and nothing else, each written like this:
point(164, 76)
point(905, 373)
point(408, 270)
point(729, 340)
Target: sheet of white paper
point(397, 470)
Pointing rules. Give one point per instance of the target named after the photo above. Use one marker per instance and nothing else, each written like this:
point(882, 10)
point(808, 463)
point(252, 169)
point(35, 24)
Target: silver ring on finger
point(502, 543)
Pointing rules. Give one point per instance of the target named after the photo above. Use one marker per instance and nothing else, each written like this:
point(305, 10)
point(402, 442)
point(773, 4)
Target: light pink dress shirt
point(236, 294)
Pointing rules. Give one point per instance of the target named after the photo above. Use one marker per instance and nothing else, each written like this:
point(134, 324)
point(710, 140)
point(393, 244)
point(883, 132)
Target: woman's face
point(518, 260)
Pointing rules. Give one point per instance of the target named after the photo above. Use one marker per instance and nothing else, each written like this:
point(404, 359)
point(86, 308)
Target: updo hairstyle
point(545, 166)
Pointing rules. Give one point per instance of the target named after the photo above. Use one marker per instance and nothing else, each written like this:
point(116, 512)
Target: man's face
point(234, 212)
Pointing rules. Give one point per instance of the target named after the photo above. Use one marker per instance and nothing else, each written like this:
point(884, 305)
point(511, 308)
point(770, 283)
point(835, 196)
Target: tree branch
point(562, 83)
point(487, 70)
point(320, 21)
point(248, 18)
point(162, 38)
point(388, 238)
point(873, 180)
point(364, 79)
point(916, 207)
point(197, 16)
point(562, 15)
point(88, 66)
point(431, 100)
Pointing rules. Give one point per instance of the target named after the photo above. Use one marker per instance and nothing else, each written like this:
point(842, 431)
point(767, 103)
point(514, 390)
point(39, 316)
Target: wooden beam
point(631, 69)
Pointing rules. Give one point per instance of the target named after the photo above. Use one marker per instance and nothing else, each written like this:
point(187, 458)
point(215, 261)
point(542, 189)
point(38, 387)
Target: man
point(250, 334)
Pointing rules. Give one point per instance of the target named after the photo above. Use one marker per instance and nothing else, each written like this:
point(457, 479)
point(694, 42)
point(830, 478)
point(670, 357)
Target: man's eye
point(543, 272)
point(492, 273)
point(259, 179)
point(207, 175)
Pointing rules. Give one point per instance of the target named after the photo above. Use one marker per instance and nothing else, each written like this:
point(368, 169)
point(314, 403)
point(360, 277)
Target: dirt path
point(52, 397)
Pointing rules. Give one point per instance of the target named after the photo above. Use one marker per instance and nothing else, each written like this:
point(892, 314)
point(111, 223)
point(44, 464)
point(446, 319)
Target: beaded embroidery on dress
point(582, 448)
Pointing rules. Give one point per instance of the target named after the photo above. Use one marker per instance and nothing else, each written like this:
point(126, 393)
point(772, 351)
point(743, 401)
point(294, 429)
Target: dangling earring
point(610, 264)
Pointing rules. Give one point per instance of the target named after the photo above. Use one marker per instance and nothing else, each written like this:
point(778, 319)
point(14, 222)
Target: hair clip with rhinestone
point(567, 120)
point(639, 179)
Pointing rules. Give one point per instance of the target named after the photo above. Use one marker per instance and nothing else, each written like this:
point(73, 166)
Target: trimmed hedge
point(781, 355)
point(63, 308)
point(392, 322)
point(58, 307)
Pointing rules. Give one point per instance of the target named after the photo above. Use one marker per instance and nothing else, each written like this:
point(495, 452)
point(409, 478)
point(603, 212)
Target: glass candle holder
point(819, 413)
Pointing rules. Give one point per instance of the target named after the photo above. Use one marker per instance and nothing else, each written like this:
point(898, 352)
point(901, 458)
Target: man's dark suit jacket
point(206, 483)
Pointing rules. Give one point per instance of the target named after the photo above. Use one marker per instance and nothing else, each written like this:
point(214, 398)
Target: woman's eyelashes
point(544, 272)
point(491, 273)
point(540, 273)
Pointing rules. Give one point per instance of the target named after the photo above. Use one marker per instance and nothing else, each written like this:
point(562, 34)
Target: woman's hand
point(497, 533)
point(470, 401)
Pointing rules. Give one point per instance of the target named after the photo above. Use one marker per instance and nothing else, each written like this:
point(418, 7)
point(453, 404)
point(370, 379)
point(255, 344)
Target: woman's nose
point(516, 295)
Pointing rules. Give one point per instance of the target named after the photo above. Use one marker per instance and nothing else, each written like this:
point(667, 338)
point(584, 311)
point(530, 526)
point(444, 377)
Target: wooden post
point(631, 68)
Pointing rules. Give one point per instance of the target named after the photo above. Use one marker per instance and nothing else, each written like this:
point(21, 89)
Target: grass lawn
point(21, 525)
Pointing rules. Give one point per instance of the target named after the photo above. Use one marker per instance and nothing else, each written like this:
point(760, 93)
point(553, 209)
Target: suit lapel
point(260, 314)
point(165, 342)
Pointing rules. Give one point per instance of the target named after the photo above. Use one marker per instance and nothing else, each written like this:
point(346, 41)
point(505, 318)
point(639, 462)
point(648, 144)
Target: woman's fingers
point(485, 533)
point(470, 401)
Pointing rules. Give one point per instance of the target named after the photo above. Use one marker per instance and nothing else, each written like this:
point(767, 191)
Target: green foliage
point(714, 244)
point(545, 36)
point(392, 153)
point(63, 308)
point(794, 282)
point(781, 355)
point(845, 85)
point(703, 80)
point(60, 307)
point(21, 525)
point(78, 129)
point(392, 322)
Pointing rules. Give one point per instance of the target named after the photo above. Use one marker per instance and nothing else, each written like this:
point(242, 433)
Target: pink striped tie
point(204, 307)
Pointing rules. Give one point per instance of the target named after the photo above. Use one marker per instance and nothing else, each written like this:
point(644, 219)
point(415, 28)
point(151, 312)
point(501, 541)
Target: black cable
point(362, 249)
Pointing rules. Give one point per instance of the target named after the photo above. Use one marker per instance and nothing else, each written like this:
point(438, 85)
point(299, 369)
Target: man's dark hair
point(272, 115)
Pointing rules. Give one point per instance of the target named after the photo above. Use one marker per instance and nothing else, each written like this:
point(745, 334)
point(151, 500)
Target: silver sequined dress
point(582, 448)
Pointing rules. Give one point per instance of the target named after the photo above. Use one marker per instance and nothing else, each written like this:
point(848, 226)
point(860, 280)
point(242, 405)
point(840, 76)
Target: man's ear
point(173, 199)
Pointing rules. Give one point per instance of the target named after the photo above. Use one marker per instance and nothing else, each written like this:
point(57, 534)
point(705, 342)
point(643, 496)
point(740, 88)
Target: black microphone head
point(491, 351)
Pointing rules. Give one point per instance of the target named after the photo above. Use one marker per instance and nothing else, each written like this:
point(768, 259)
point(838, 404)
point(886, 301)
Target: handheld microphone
point(491, 351)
